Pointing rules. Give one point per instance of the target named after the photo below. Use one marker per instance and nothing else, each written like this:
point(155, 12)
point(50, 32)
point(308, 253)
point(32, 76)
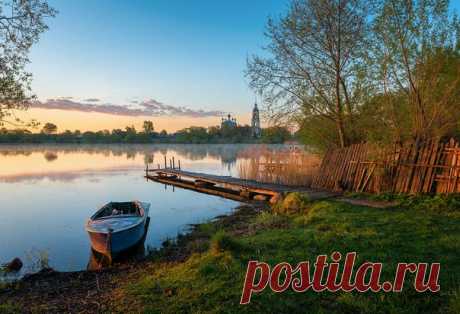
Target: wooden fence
point(430, 167)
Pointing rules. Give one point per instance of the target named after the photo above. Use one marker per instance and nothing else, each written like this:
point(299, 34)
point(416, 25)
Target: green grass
point(211, 281)
point(9, 308)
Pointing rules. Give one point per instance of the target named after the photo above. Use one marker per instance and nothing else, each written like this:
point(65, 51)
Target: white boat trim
point(141, 219)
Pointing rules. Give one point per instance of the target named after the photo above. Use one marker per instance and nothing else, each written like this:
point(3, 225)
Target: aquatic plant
point(37, 260)
point(294, 166)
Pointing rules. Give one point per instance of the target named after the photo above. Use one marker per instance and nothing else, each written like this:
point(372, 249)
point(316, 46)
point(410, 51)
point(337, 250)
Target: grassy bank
point(203, 272)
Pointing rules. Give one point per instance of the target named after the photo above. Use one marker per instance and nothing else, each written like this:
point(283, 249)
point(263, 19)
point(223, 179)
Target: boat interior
point(114, 209)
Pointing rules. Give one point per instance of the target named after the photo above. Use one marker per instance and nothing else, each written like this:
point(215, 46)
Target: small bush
point(221, 242)
point(293, 203)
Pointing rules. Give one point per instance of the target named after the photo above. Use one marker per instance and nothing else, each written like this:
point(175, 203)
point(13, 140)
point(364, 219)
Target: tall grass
point(289, 166)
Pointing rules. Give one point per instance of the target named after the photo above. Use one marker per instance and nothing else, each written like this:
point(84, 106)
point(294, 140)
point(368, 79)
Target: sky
point(176, 62)
point(175, 53)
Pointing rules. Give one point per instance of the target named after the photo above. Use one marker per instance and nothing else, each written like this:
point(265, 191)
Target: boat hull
point(120, 241)
point(113, 235)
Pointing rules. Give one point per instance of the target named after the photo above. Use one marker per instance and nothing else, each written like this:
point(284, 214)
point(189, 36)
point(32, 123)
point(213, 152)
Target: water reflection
point(50, 156)
point(67, 162)
point(48, 192)
point(189, 151)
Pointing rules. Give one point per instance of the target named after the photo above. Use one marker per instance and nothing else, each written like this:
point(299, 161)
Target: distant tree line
point(191, 135)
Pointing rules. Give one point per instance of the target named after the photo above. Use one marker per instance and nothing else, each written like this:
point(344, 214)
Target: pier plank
point(227, 186)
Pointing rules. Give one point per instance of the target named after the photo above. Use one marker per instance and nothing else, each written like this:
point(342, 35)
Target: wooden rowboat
point(117, 226)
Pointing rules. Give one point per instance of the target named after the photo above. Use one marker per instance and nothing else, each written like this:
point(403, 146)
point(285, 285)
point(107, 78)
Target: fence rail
point(429, 167)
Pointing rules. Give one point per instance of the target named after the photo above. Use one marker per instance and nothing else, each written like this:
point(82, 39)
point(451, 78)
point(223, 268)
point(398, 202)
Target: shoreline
point(204, 270)
point(43, 290)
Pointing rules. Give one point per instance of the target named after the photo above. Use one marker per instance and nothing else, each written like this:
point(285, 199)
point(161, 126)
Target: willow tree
point(311, 73)
point(416, 62)
point(21, 23)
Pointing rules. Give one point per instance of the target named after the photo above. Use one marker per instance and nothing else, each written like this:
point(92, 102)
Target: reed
point(289, 166)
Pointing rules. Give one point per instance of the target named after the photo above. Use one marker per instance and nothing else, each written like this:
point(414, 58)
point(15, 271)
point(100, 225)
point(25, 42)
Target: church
point(255, 122)
point(229, 122)
point(256, 131)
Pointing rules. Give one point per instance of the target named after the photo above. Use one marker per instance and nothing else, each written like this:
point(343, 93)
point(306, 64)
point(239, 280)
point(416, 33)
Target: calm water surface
point(48, 192)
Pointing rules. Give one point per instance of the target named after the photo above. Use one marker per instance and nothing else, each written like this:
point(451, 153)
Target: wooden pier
point(227, 186)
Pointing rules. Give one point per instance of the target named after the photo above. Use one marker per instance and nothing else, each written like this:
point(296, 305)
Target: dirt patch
point(369, 203)
point(53, 292)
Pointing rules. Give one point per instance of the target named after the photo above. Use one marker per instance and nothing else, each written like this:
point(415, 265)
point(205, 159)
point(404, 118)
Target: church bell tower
point(255, 123)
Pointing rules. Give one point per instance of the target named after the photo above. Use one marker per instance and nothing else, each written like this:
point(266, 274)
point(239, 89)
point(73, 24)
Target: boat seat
point(117, 209)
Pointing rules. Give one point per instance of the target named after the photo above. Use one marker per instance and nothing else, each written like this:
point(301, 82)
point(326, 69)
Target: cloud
point(149, 107)
point(92, 100)
point(67, 176)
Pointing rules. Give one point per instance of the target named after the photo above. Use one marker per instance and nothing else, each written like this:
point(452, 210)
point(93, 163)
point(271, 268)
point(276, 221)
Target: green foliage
point(315, 214)
point(206, 229)
point(148, 127)
point(292, 203)
point(268, 220)
point(214, 263)
point(454, 302)
point(435, 203)
point(9, 308)
point(221, 241)
point(275, 134)
point(392, 73)
point(22, 24)
point(49, 128)
point(211, 283)
point(309, 72)
point(317, 132)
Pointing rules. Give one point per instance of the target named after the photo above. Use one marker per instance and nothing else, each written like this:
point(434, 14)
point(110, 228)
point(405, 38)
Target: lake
point(48, 192)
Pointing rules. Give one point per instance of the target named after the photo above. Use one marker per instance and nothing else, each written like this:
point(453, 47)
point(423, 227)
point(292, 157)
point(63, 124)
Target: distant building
point(255, 122)
point(229, 122)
